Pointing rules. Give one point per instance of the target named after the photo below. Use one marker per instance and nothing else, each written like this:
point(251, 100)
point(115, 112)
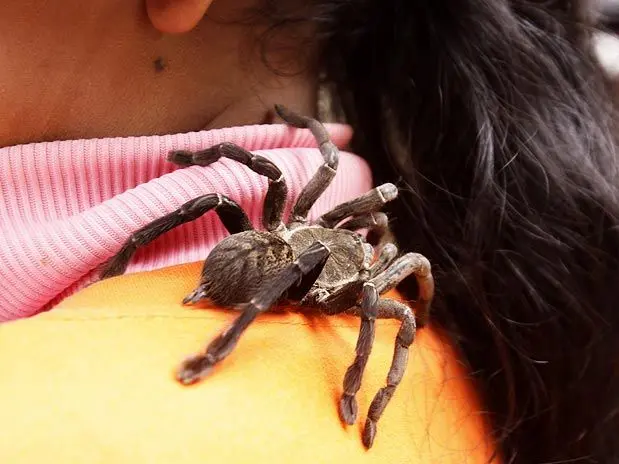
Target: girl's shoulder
point(93, 381)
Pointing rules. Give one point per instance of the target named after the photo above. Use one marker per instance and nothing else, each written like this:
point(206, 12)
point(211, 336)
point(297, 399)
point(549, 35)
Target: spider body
point(348, 253)
point(326, 264)
point(254, 257)
point(238, 265)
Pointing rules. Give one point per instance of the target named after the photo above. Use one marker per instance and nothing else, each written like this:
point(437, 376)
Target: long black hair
point(496, 121)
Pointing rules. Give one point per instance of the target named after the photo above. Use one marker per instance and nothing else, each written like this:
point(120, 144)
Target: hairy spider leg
point(390, 309)
point(387, 254)
point(368, 311)
point(275, 199)
point(326, 172)
point(374, 221)
point(336, 301)
point(230, 213)
point(366, 203)
point(346, 299)
point(199, 366)
point(398, 270)
point(377, 224)
point(410, 263)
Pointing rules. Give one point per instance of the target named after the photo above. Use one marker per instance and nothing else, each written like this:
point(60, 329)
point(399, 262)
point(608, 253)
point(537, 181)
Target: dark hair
point(498, 124)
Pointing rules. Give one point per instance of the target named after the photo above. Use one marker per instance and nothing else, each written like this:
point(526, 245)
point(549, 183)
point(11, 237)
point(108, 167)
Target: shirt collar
point(68, 206)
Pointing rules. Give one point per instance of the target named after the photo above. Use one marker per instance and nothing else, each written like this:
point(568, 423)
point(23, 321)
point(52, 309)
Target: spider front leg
point(342, 300)
point(233, 217)
point(367, 203)
point(372, 307)
point(275, 198)
point(390, 309)
point(387, 254)
point(410, 263)
point(397, 271)
point(378, 226)
point(354, 374)
point(376, 223)
point(197, 367)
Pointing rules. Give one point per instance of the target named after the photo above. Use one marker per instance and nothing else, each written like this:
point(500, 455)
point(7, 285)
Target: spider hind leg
point(275, 198)
point(199, 366)
point(230, 213)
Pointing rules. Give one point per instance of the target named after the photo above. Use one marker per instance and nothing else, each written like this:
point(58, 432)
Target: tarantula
point(326, 264)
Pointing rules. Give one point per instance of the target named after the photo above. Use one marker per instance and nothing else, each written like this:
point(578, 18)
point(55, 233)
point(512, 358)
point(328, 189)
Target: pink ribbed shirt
point(66, 207)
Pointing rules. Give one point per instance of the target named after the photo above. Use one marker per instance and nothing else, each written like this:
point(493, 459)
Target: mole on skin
point(159, 64)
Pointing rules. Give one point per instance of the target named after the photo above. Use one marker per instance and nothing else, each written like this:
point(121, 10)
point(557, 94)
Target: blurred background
point(607, 41)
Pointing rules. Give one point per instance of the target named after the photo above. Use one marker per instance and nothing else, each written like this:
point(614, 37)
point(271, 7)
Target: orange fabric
point(92, 382)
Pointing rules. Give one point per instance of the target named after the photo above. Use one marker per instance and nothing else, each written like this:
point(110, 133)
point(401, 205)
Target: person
point(494, 119)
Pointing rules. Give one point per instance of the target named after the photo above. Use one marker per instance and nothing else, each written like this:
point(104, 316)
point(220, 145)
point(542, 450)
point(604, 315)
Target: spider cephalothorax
point(325, 264)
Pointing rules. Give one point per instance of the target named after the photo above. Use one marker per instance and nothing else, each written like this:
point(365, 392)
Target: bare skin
point(74, 69)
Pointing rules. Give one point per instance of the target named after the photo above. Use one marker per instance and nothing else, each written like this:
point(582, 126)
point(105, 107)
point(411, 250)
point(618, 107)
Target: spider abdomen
point(240, 264)
point(347, 253)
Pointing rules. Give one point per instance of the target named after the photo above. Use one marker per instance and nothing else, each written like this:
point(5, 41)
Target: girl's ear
point(176, 16)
